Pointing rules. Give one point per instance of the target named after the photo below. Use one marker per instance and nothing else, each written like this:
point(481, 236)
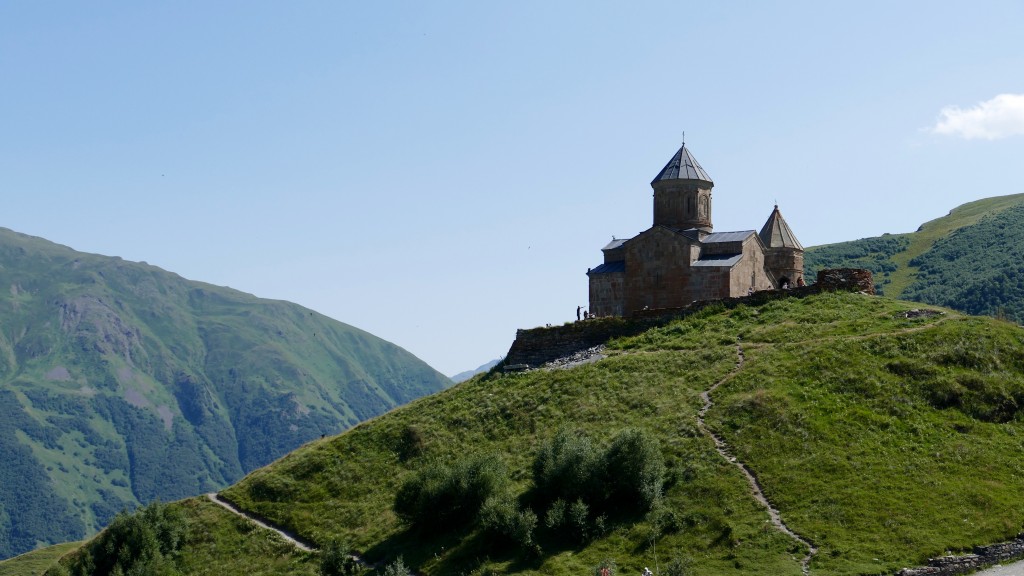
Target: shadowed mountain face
point(123, 383)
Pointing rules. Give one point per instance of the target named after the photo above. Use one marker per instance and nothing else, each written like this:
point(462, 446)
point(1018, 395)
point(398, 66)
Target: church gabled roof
point(615, 243)
point(777, 234)
point(682, 166)
point(726, 237)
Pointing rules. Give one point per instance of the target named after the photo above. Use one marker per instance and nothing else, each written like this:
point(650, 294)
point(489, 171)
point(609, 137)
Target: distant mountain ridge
point(123, 383)
point(971, 260)
point(466, 375)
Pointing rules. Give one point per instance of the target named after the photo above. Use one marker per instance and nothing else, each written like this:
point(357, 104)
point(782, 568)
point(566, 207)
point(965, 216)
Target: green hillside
point(121, 383)
point(883, 435)
point(969, 260)
point(36, 562)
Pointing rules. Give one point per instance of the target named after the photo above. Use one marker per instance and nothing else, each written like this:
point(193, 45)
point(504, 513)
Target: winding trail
point(294, 539)
point(755, 487)
point(290, 537)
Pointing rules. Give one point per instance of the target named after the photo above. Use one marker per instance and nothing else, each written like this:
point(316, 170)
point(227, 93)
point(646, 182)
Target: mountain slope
point(881, 433)
point(967, 260)
point(123, 383)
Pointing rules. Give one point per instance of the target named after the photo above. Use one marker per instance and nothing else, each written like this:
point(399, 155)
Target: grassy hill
point(883, 436)
point(969, 260)
point(36, 562)
point(121, 383)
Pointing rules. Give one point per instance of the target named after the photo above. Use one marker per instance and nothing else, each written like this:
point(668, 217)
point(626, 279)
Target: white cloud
point(999, 117)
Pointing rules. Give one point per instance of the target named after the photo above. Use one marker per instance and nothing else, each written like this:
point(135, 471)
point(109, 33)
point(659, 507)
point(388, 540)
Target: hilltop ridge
point(879, 431)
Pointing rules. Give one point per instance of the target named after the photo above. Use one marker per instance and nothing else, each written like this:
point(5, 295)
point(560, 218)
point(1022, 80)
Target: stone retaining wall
point(983, 556)
point(534, 347)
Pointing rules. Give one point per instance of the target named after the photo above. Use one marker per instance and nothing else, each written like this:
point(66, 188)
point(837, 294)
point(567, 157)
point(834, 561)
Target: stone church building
point(680, 259)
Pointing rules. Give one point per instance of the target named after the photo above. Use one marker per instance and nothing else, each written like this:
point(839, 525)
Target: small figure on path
point(800, 282)
point(578, 308)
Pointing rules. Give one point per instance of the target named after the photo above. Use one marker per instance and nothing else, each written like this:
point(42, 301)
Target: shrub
point(447, 496)
point(556, 514)
point(578, 515)
point(144, 542)
point(336, 560)
point(568, 466)
point(501, 517)
point(635, 468)
point(664, 519)
point(397, 568)
point(410, 443)
point(606, 568)
point(678, 567)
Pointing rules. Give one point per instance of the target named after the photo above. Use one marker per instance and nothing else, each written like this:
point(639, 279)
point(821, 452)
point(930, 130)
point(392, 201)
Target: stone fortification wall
point(534, 347)
point(852, 279)
point(982, 556)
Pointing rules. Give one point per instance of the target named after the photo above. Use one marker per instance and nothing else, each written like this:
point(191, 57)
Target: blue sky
point(442, 173)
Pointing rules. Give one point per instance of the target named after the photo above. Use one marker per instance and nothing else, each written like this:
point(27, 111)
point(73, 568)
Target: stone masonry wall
point(607, 293)
point(534, 347)
point(982, 556)
point(660, 274)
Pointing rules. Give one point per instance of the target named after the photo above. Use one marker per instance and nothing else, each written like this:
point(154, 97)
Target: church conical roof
point(682, 166)
point(777, 234)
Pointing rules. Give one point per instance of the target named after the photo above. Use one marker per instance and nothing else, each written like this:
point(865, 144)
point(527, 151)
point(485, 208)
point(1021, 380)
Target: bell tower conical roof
point(682, 166)
point(777, 234)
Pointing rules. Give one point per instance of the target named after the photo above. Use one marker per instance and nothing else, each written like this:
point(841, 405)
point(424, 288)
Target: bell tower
point(682, 194)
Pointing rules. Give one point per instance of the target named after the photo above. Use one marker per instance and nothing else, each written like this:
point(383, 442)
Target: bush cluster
point(579, 484)
point(143, 543)
point(447, 496)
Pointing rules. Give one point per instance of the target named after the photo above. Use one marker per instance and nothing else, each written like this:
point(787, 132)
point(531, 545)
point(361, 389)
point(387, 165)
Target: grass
point(881, 438)
point(219, 543)
point(222, 544)
point(36, 562)
point(345, 486)
point(860, 460)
